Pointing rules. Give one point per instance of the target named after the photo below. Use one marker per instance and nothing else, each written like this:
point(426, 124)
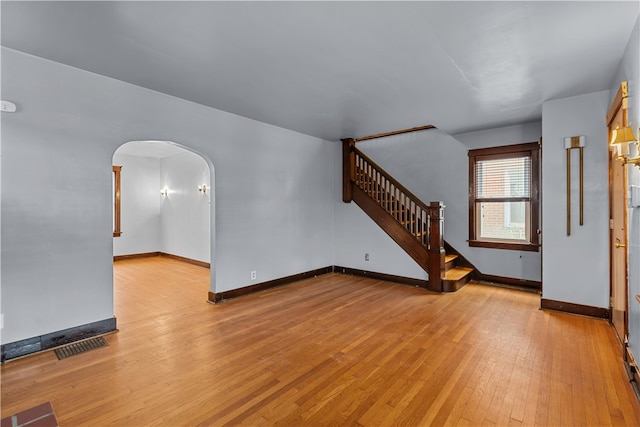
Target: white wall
point(630, 71)
point(178, 224)
point(185, 212)
point(140, 205)
point(575, 268)
point(274, 191)
point(434, 166)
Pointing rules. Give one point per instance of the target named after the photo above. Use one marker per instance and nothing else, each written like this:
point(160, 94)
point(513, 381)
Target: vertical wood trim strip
point(581, 185)
point(117, 231)
point(436, 247)
point(568, 192)
point(535, 196)
point(348, 169)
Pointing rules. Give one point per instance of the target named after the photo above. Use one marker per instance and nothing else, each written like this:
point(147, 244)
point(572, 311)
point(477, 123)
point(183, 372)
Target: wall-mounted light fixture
point(164, 192)
point(203, 188)
point(621, 138)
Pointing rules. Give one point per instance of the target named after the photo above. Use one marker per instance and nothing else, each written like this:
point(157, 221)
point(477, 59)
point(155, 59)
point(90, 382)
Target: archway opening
point(163, 259)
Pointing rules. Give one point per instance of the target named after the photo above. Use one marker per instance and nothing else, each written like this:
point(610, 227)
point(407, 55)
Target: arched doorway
point(166, 197)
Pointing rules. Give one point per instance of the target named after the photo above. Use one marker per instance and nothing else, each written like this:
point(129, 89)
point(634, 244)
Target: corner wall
point(140, 205)
point(575, 268)
point(185, 213)
point(178, 224)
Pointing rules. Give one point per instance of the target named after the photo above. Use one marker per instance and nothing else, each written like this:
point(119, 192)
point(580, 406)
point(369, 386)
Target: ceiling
point(340, 69)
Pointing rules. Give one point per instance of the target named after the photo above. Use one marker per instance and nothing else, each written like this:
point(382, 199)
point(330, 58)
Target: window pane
point(503, 177)
point(503, 206)
point(503, 220)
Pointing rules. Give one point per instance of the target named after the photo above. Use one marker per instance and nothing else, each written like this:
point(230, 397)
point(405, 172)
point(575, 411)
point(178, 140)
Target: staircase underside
point(454, 277)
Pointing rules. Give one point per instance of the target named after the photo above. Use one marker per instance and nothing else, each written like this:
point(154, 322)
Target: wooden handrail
point(399, 209)
point(395, 132)
point(391, 179)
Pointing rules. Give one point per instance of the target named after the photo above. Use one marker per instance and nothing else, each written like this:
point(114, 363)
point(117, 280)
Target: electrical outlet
point(253, 275)
point(366, 257)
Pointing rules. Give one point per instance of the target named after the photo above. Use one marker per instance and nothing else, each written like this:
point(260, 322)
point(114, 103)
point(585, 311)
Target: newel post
point(436, 246)
point(348, 168)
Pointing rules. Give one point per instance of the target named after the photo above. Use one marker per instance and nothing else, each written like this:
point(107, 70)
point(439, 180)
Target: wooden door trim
point(620, 102)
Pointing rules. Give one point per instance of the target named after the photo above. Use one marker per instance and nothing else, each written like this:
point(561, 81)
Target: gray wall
point(274, 191)
point(185, 214)
point(140, 201)
point(178, 224)
point(576, 267)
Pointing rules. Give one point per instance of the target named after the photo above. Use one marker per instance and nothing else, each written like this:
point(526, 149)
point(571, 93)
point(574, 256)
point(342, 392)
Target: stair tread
point(450, 258)
point(457, 273)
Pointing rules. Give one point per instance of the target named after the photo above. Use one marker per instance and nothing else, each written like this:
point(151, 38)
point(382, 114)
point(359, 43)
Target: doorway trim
point(618, 110)
point(210, 194)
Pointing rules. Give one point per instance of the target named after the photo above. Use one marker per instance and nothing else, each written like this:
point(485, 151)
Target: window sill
point(505, 245)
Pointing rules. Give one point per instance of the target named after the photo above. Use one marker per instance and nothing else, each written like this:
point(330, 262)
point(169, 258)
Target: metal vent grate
point(80, 347)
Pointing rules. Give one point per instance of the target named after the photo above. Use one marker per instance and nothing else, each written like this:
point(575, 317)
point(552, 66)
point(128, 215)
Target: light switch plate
point(7, 107)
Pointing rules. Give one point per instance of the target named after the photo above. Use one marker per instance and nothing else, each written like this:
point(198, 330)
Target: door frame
point(619, 103)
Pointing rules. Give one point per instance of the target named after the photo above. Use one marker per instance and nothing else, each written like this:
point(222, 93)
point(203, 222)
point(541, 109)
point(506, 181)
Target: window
point(503, 197)
point(116, 201)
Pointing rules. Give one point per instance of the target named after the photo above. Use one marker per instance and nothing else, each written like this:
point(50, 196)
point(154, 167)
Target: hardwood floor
point(332, 350)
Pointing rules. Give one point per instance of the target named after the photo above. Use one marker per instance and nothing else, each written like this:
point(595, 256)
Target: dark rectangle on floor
point(38, 416)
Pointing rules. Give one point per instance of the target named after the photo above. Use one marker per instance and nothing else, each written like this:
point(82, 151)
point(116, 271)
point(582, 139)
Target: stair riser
point(454, 285)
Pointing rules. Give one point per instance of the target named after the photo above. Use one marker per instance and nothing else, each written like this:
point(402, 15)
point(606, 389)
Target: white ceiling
point(341, 69)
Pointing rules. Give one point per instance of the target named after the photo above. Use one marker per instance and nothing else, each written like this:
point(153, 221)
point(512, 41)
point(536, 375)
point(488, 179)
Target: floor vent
point(80, 347)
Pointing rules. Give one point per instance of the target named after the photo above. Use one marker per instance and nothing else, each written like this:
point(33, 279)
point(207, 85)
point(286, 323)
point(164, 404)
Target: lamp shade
point(622, 136)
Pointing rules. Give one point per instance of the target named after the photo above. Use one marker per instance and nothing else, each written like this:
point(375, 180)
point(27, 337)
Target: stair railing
point(424, 223)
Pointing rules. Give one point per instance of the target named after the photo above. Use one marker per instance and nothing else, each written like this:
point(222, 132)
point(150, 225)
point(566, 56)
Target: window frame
point(531, 150)
point(117, 230)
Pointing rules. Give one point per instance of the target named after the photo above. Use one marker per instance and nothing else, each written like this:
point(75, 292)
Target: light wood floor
point(333, 350)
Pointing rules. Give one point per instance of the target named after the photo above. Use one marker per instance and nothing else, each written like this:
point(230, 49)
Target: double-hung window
point(503, 197)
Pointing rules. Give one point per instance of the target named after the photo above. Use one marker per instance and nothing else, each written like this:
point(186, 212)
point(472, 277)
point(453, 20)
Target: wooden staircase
point(416, 227)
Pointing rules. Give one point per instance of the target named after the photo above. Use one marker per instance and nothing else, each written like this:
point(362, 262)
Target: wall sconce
point(164, 192)
point(203, 188)
point(621, 138)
